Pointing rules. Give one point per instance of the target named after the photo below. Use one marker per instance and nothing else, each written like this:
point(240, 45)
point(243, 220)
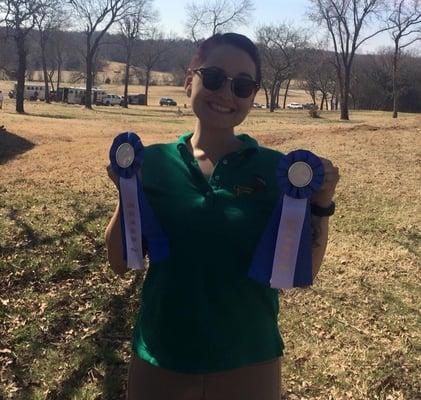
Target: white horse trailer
point(76, 95)
point(33, 91)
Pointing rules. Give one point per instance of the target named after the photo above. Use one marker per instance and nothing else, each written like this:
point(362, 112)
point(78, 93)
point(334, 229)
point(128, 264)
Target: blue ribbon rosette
point(283, 258)
point(136, 215)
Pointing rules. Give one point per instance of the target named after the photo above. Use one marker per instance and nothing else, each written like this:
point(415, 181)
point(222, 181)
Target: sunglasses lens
point(212, 79)
point(243, 87)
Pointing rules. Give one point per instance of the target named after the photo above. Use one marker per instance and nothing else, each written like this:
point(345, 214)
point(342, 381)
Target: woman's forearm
point(320, 226)
point(114, 245)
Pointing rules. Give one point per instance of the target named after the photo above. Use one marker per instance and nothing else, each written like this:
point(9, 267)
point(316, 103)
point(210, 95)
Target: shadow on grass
point(12, 145)
point(34, 239)
point(54, 116)
point(134, 112)
point(34, 242)
point(104, 347)
point(101, 348)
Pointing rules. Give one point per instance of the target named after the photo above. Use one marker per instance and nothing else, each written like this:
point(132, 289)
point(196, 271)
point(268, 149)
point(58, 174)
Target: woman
point(205, 330)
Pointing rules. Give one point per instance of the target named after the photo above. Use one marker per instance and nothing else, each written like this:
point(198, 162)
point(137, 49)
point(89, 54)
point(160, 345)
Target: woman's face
point(222, 108)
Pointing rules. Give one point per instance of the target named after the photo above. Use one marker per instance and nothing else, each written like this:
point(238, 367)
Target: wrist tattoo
point(315, 230)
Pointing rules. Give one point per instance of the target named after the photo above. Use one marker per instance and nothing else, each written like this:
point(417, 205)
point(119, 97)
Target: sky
point(173, 15)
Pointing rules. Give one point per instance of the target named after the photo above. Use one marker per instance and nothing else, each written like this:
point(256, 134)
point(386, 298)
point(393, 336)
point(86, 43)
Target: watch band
point(323, 211)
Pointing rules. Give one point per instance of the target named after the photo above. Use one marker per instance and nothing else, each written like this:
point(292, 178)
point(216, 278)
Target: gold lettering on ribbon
point(287, 243)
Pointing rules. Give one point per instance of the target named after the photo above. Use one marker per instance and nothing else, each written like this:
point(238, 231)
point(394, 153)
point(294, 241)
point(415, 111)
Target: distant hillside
point(111, 72)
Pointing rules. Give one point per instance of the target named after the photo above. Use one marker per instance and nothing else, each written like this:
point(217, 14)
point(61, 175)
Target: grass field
point(65, 320)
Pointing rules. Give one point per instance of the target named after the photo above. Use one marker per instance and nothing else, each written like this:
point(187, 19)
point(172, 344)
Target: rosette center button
point(300, 174)
point(125, 155)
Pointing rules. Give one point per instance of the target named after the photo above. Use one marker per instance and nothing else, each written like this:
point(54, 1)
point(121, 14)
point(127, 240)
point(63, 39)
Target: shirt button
point(217, 177)
point(225, 162)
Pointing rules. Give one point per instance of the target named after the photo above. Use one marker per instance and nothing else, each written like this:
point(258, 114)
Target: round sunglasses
point(214, 78)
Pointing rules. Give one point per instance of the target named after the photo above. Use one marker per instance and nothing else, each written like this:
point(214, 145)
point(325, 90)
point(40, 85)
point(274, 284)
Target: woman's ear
point(188, 83)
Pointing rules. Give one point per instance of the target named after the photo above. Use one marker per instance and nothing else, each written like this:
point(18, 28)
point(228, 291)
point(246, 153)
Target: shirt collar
point(250, 145)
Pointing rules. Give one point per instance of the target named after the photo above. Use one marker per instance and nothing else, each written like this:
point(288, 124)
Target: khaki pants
point(259, 381)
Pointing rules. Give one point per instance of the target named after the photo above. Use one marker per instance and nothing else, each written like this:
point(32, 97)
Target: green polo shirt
point(199, 312)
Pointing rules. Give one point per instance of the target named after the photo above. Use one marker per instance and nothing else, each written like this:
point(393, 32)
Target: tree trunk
point(59, 62)
point(322, 102)
point(44, 70)
point(50, 79)
point(273, 92)
point(272, 100)
point(394, 80)
point(278, 91)
point(345, 94)
point(344, 108)
point(126, 81)
point(267, 97)
point(286, 94)
point(88, 91)
point(20, 87)
point(148, 76)
point(354, 101)
point(313, 95)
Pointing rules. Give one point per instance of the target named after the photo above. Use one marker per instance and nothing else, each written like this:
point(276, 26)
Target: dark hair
point(233, 39)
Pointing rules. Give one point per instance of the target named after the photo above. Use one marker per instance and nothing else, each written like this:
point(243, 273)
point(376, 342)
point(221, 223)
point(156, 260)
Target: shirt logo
point(257, 185)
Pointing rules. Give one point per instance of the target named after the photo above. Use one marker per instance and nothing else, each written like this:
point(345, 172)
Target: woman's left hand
point(324, 196)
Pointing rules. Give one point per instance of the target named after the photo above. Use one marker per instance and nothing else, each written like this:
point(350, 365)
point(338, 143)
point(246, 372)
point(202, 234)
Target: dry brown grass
point(354, 335)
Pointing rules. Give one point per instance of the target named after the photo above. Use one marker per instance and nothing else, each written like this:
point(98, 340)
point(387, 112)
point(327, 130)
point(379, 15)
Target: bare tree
point(345, 21)
point(211, 16)
point(151, 52)
point(58, 53)
point(405, 24)
point(279, 48)
point(98, 16)
point(182, 55)
point(49, 18)
point(309, 82)
point(131, 28)
point(8, 62)
point(319, 75)
point(19, 16)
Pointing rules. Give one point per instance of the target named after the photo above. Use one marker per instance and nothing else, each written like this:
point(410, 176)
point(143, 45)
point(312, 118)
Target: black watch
point(322, 211)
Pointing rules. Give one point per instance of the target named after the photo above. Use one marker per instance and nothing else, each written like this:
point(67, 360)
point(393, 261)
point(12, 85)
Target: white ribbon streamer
point(288, 242)
point(132, 224)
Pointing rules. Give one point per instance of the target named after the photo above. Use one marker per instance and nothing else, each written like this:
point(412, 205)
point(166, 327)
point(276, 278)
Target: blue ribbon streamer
point(263, 258)
point(157, 242)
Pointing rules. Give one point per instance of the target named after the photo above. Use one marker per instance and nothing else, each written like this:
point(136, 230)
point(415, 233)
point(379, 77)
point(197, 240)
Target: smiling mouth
point(221, 109)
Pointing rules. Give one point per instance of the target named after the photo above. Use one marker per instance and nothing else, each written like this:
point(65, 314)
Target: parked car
point(295, 106)
point(139, 99)
point(310, 106)
point(166, 101)
point(111, 100)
